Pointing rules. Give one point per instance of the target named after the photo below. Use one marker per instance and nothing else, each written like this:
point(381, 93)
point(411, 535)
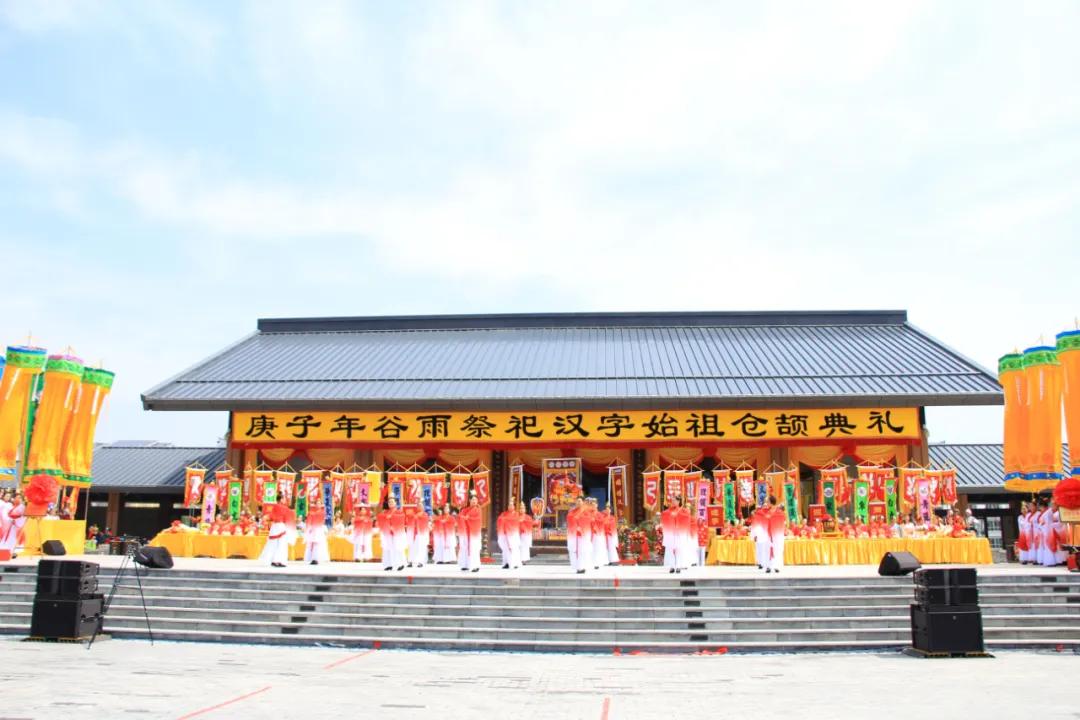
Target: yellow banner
point(636, 427)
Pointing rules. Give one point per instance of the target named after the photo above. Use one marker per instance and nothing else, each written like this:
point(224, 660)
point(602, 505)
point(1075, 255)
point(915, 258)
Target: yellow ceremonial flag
point(1014, 382)
point(63, 376)
point(1068, 351)
point(1042, 456)
point(77, 452)
point(23, 365)
point(374, 481)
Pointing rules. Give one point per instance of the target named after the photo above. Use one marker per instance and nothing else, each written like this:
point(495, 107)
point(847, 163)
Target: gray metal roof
point(979, 466)
point(148, 469)
point(598, 360)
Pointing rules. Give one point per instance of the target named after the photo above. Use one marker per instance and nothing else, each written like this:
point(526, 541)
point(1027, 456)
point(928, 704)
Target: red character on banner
point(459, 489)
point(909, 478)
point(337, 483)
point(480, 484)
point(438, 493)
point(193, 486)
point(948, 486)
point(744, 484)
point(286, 487)
point(720, 475)
point(877, 486)
point(414, 490)
point(673, 485)
point(222, 478)
point(651, 486)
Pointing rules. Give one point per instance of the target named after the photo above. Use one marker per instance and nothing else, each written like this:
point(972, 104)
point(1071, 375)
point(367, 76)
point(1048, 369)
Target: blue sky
point(169, 172)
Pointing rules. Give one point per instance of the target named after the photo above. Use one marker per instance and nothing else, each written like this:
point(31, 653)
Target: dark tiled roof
point(582, 361)
point(979, 467)
point(148, 468)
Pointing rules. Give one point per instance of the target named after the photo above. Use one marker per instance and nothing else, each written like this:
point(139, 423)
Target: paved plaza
point(133, 679)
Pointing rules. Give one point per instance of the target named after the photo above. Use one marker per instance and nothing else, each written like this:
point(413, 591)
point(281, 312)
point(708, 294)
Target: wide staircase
point(591, 614)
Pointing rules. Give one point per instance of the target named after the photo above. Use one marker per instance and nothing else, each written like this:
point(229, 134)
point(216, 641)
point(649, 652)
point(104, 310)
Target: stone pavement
point(122, 679)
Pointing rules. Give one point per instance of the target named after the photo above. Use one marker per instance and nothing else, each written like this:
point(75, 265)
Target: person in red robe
point(759, 533)
point(685, 548)
point(362, 534)
point(668, 523)
point(420, 536)
point(462, 529)
point(473, 522)
point(776, 519)
point(506, 523)
point(525, 533)
point(573, 533)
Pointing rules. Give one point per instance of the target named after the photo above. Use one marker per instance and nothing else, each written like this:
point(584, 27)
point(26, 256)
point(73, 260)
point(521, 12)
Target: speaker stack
point(945, 618)
point(67, 604)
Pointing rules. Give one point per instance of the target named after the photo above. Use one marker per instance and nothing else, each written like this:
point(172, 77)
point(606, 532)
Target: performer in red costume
point(362, 534)
point(611, 532)
point(525, 533)
point(473, 522)
point(759, 533)
point(419, 535)
point(276, 550)
point(669, 524)
point(507, 532)
point(573, 535)
point(777, 520)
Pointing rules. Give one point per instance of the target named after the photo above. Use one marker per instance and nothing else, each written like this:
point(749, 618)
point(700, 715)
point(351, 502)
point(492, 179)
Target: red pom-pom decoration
point(1067, 493)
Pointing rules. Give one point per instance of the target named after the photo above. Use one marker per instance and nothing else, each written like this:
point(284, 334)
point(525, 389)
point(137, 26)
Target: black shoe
point(759, 567)
point(400, 568)
point(410, 564)
point(476, 569)
point(671, 570)
point(580, 572)
point(388, 569)
point(464, 569)
point(768, 570)
point(506, 567)
point(314, 562)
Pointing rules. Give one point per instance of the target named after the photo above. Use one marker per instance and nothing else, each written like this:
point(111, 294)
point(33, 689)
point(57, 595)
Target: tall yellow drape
point(736, 456)
point(816, 456)
point(327, 458)
point(63, 375)
point(680, 455)
point(531, 458)
point(882, 454)
point(24, 364)
point(405, 457)
point(1012, 379)
point(1068, 350)
point(597, 459)
point(466, 457)
point(276, 456)
point(77, 452)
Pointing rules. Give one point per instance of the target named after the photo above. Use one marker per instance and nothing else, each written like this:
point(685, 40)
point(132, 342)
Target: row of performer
point(1042, 534)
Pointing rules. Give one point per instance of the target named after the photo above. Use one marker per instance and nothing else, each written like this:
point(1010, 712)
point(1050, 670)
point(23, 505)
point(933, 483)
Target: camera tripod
point(128, 563)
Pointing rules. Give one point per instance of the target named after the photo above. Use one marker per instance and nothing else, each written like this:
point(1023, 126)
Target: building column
point(637, 489)
point(112, 513)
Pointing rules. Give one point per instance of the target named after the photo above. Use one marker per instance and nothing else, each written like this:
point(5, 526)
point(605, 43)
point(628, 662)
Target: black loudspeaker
point(67, 568)
point(53, 547)
point(946, 630)
point(58, 586)
point(898, 563)
point(153, 557)
point(939, 577)
point(57, 619)
point(950, 595)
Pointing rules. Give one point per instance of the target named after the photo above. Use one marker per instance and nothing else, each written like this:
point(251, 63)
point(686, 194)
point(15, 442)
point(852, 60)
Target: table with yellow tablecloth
point(72, 533)
point(864, 551)
point(193, 544)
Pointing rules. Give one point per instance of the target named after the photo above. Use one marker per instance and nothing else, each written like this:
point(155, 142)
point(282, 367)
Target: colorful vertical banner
point(892, 499)
point(924, 505)
point(721, 475)
point(394, 478)
point(791, 503)
point(948, 486)
point(561, 480)
point(301, 506)
point(327, 498)
point(337, 482)
point(482, 485)
point(517, 481)
point(838, 479)
point(744, 482)
point(193, 486)
point(933, 478)
point(286, 486)
point(236, 499)
point(414, 487)
point(691, 482)
point(21, 370)
point(427, 498)
point(315, 490)
point(268, 494)
point(650, 486)
point(862, 500)
point(437, 482)
point(703, 496)
point(729, 500)
point(63, 379)
point(909, 484)
point(774, 482)
point(828, 497)
point(260, 479)
point(209, 503)
point(673, 485)
point(373, 479)
point(77, 452)
point(617, 486)
point(222, 477)
point(459, 489)
point(761, 493)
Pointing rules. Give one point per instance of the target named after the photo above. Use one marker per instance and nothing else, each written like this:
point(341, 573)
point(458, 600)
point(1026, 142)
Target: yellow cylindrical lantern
point(1042, 458)
point(63, 376)
point(1068, 351)
point(77, 451)
point(23, 365)
point(1011, 377)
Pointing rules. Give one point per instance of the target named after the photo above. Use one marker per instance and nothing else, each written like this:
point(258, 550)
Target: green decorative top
point(1041, 355)
point(1012, 361)
point(64, 364)
point(25, 358)
point(1068, 341)
point(97, 376)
